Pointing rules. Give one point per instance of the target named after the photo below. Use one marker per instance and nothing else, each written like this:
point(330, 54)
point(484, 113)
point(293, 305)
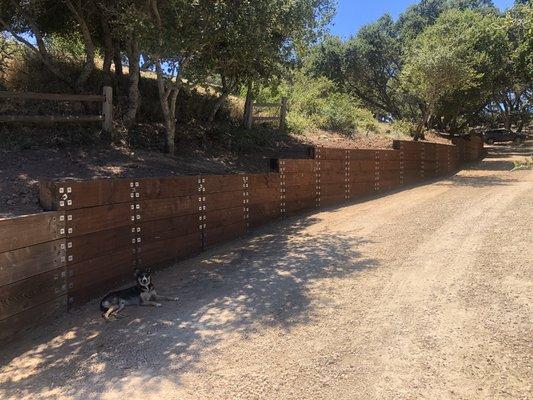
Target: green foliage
point(403, 127)
point(442, 59)
point(318, 103)
point(7, 53)
point(66, 48)
point(523, 165)
point(445, 63)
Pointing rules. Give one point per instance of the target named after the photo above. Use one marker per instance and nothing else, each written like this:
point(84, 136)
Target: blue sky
point(352, 14)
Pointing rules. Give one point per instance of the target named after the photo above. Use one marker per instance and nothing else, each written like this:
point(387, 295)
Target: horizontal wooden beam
point(51, 96)
point(29, 230)
point(50, 118)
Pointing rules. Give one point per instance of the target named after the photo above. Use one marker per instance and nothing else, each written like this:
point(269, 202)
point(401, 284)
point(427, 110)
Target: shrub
point(403, 127)
point(317, 102)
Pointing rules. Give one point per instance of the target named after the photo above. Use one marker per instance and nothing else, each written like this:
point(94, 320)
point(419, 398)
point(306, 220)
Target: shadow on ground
point(227, 291)
point(497, 160)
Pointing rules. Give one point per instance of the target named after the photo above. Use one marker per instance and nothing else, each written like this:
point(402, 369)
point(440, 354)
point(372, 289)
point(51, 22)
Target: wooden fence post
point(107, 109)
point(249, 112)
point(283, 114)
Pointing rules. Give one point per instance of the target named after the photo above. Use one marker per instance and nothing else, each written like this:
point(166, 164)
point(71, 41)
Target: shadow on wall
point(265, 282)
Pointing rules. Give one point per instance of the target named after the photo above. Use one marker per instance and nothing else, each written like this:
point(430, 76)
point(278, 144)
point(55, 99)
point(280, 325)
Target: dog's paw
point(158, 305)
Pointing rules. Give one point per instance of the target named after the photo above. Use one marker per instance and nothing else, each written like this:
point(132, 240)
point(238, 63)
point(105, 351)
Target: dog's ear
point(137, 272)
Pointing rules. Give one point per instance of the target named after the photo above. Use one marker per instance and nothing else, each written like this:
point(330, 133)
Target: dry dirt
point(424, 293)
point(21, 171)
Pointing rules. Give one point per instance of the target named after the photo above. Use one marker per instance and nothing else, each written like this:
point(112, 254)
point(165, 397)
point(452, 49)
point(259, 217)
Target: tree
point(256, 40)
point(326, 59)
point(442, 62)
point(372, 62)
point(240, 42)
point(40, 19)
point(418, 17)
point(513, 90)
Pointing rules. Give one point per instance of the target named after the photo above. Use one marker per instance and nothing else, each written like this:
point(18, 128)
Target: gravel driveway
point(425, 293)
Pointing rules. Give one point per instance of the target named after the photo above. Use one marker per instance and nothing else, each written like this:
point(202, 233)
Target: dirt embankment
point(21, 171)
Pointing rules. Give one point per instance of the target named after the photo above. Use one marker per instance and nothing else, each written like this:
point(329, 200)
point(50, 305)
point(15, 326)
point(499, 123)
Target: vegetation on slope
point(183, 69)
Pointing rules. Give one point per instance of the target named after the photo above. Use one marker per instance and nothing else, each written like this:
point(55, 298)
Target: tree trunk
point(117, 60)
point(168, 98)
point(225, 93)
point(88, 67)
point(217, 106)
point(248, 105)
point(108, 49)
point(134, 71)
point(419, 133)
point(40, 49)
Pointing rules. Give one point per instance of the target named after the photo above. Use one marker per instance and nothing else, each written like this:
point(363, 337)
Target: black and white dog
point(142, 294)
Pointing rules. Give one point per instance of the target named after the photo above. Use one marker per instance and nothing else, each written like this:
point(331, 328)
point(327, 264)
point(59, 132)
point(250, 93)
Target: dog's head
point(144, 278)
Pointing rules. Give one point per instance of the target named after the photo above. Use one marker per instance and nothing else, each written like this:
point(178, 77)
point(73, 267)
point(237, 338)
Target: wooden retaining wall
point(33, 284)
point(98, 232)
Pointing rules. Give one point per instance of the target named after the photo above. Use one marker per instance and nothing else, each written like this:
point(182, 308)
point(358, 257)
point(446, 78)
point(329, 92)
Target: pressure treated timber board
point(156, 209)
point(29, 318)
point(29, 230)
point(96, 219)
point(169, 187)
point(332, 199)
point(358, 189)
point(27, 293)
point(330, 189)
point(264, 195)
point(104, 264)
point(293, 207)
point(264, 212)
point(300, 193)
point(168, 250)
point(325, 153)
point(389, 165)
point(408, 179)
point(392, 173)
point(412, 172)
point(299, 179)
point(389, 184)
point(361, 155)
point(290, 166)
point(167, 228)
point(91, 278)
point(95, 244)
point(363, 166)
point(332, 177)
point(224, 200)
point(264, 181)
point(332, 165)
point(71, 194)
point(430, 151)
point(228, 216)
point(369, 178)
point(224, 233)
point(29, 261)
point(388, 155)
point(224, 183)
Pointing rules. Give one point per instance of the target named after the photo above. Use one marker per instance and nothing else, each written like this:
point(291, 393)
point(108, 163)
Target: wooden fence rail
point(250, 114)
point(98, 232)
point(106, 117)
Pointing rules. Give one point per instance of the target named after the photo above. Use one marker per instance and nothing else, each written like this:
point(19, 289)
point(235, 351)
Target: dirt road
point(425, 293)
